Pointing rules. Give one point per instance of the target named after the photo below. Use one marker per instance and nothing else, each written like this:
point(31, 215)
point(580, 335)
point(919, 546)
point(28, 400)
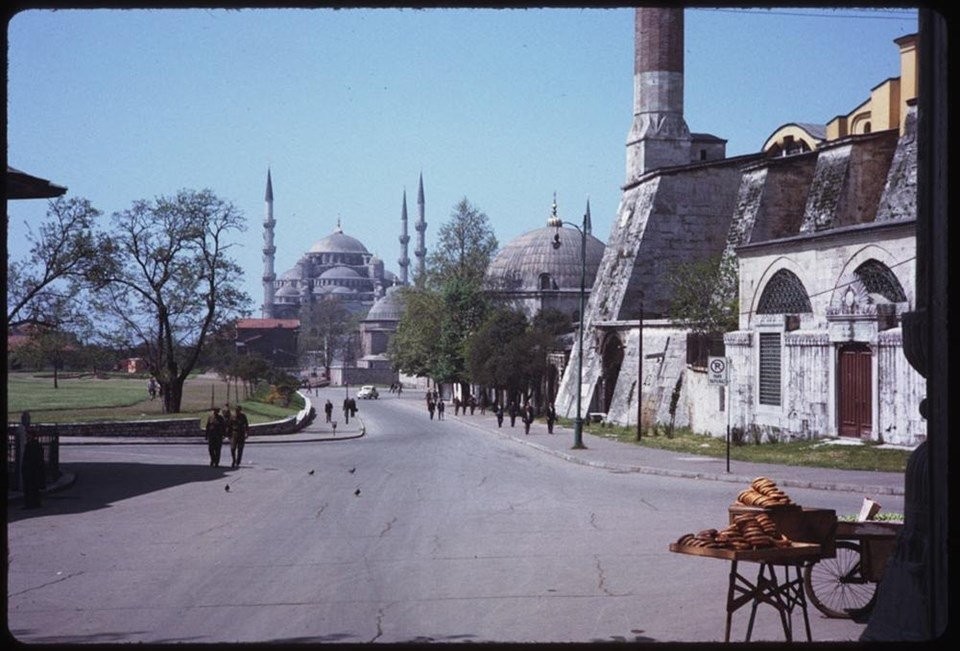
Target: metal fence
point(49, 441)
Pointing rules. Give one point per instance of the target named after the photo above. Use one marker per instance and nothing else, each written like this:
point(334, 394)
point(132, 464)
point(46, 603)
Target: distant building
point(337, 266)
point(273, 339)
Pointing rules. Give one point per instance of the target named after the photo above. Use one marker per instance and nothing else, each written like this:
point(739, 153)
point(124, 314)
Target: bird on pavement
point(310, 473)
point(357, 492)
point(227, 488)
point(352, 470)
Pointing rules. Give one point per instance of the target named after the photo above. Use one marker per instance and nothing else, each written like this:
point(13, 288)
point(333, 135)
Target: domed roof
point(291, 274)
point(287, 290)
point(387, 308)
point(342, 290)
point(518, 266)
point(340, 273)
point(337, 242)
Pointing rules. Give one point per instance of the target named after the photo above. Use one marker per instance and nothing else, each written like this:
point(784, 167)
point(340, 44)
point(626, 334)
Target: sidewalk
point(626, 457)
point(599, 453)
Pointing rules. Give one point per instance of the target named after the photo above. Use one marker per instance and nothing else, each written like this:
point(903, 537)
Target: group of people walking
point(224, 425)
point(436, 406)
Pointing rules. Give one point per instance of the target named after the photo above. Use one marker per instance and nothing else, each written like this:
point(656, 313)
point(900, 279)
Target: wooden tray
point(795, 552)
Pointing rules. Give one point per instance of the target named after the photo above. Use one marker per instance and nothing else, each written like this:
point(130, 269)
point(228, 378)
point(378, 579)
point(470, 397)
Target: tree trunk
point(172, 396)
point(55, 384)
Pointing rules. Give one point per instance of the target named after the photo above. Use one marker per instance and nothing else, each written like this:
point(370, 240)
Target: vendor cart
point(843, 583)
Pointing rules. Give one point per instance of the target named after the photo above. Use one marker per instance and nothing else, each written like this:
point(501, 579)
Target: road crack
point(44, 585)
point(388, 526)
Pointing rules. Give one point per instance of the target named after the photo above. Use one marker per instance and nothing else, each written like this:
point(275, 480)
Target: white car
point(367, 392)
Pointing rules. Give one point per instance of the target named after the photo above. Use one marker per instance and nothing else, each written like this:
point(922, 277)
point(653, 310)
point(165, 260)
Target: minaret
point(659, 136)
point(404, 260)
point(421, 250)
point(587, 222)
point(268, 250)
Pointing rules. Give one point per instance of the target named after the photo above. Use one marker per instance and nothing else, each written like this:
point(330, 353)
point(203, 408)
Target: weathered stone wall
point(848, 182)
point(899, 200)
point(900, 390)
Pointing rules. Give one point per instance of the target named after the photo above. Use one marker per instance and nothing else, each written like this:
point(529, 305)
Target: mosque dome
point(292, 274)
point(387, 308)
point(338, 242)
point(339, 273)
point(287, 290)
point(531, 263)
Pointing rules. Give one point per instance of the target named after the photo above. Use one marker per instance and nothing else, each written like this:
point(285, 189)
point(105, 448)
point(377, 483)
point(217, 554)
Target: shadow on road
point(98, 485)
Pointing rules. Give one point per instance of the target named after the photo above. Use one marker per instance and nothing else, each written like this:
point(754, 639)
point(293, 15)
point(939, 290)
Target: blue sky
point(348, 107)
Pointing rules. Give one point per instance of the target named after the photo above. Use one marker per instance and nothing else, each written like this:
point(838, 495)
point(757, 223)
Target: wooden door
point(854, 390)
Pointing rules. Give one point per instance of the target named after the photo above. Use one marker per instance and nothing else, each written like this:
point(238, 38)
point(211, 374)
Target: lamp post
point(558, 223)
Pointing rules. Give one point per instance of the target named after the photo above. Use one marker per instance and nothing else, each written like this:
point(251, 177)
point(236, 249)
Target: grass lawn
point(815, 453)
point(80, 399)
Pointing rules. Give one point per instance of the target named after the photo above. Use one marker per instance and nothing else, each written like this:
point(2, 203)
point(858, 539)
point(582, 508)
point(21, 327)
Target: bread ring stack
point(704, 538)
point(763, 492)
point(745, 533)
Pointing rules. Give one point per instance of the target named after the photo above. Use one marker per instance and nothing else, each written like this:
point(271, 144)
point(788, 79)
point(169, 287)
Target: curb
point(684, 474)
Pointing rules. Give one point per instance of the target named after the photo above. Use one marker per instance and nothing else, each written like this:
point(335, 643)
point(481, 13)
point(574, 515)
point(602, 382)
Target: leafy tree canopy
point(705, 295)
point(465, 246)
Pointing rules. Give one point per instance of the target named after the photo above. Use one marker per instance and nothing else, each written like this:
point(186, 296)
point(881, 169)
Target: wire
point(904, 14)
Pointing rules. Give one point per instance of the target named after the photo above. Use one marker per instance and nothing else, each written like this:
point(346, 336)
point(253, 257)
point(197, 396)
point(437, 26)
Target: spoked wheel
point(836, 586)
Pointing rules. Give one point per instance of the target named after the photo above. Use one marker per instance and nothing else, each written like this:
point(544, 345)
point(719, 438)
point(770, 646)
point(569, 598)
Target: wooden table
point(782, 594)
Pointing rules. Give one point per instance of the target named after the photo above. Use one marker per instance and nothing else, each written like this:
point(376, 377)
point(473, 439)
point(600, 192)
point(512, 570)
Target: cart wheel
point(837, 587)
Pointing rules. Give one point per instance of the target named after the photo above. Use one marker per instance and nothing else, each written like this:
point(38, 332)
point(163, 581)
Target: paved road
point(443, 531)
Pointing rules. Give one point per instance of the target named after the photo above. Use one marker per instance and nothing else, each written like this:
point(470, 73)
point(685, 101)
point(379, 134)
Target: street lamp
point(558, 223)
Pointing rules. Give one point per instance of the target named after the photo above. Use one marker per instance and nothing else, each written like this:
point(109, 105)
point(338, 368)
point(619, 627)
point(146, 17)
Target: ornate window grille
point(784, 294)
point(878, 279)
point(769, 368)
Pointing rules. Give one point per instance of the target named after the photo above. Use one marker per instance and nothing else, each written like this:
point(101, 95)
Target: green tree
point(464, 309)
point(66, 251)
point(705, 295)
point(465, 246)
point(413, 348)
point(173, 282)
point(49, 347)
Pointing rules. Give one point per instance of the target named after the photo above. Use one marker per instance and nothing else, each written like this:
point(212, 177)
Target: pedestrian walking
point(498, 410)
point(483, 403)
point(456, 406)
point(551, 417)
point(239, 427)
point(440, 409)
point(328, 410)
point(215, 430)
point(431, 406)
point(152, 388)
point(472, 400)
point(353, 408)
point(33, 472)
point(399, 388)
point(527, 417)
point(513, 411)
point(346, 411)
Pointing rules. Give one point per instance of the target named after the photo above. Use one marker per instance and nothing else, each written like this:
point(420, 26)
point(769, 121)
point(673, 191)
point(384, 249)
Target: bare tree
point(173, 282)
point(64, 252)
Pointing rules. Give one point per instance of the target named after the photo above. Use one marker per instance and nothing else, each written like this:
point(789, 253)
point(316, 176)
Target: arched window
point(784, 294)
point(878, 279)
point(546, 282)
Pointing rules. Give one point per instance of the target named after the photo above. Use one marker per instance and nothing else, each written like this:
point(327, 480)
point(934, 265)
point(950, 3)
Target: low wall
point(164, 427)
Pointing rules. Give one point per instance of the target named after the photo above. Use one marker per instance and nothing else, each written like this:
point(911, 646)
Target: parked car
point(367, 392)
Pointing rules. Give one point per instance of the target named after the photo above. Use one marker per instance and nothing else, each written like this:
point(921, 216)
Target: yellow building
point(885, 109)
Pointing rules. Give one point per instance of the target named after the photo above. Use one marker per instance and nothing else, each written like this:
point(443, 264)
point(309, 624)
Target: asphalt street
point(395, 529)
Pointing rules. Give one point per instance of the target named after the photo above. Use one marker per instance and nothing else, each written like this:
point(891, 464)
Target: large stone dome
point(387, 308)
point(531, 263)
point(338, 242)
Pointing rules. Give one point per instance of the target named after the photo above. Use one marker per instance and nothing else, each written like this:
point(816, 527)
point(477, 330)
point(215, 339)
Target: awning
point(21, 185)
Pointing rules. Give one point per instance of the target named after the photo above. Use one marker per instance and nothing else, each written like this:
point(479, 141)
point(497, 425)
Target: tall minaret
point(587, 222)
point(404, 260)
point(659, 136)
point(421, 250)
point(268, 250)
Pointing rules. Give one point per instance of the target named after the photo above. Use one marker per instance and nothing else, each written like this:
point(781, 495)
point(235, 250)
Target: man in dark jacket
point(328, 410)
point(527, 417)
point(512, 409)
point(216, 429)
point(551, 418)
point(498, 410)
point(33, 471)
point(239, 426)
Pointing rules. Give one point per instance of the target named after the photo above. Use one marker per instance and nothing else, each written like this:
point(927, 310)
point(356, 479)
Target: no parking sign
point(718, 370)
